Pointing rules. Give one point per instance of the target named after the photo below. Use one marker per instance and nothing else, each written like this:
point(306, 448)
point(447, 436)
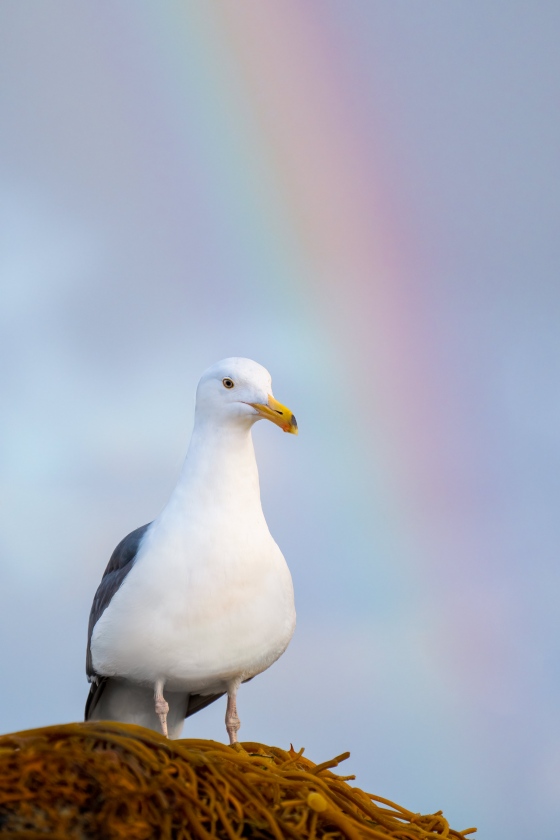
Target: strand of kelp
point(123, 781)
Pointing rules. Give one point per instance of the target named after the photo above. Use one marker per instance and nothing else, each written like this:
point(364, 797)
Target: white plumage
point(208, 600)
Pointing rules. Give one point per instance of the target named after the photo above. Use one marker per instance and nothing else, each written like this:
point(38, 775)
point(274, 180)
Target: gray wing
point(196, 702)
point(120, 564)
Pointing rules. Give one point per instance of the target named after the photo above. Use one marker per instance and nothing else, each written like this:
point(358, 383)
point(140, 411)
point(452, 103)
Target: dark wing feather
point(200, 701)
point(95, 692)
point(120, 564)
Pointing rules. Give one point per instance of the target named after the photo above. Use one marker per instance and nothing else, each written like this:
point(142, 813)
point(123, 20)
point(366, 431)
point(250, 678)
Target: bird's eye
point(227, 382)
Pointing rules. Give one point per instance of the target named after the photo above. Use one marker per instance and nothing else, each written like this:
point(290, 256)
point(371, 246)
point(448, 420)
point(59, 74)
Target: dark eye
point(227, 382)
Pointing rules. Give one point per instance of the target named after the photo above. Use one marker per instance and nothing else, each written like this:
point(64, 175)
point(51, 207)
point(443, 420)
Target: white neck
point(219, 475)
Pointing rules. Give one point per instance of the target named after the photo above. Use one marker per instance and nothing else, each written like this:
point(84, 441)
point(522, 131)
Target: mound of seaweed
point(109, 780)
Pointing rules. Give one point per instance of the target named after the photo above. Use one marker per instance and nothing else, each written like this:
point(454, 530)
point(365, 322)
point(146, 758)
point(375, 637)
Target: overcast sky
point(363, 197)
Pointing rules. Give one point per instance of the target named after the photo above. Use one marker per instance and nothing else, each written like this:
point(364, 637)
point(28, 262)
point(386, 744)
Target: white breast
point(197, 617)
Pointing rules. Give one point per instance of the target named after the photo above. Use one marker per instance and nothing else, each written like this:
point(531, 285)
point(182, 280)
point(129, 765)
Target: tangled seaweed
point(109, 780)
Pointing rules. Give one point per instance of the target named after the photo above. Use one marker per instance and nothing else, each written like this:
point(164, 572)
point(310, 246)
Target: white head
point(240, 391)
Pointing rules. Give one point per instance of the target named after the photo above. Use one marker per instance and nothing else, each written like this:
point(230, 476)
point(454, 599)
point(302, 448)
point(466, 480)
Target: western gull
point(201, 599)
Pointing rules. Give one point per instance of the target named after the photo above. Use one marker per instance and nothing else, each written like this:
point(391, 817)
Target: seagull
point(201, 599)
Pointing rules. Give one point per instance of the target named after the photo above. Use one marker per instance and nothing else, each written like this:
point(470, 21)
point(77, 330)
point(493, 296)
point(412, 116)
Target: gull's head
point(239, 391)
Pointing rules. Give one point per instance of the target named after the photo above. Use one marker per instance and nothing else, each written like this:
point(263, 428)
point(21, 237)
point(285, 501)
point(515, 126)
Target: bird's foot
point(233, 724)
point(232, 730)
point(162, 709)
point(238, 748)
point(232, 721)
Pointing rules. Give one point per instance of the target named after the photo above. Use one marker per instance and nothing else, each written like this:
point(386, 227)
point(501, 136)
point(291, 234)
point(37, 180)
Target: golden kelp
point(113, 780)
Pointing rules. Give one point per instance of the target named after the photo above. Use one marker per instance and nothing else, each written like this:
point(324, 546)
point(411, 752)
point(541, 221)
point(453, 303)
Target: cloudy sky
point(362, 196)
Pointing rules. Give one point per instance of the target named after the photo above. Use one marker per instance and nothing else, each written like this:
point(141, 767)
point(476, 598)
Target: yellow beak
point(279, 414)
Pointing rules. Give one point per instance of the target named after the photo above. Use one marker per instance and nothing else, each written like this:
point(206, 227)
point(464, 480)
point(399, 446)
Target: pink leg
point(232, 721)
point(161, 706)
